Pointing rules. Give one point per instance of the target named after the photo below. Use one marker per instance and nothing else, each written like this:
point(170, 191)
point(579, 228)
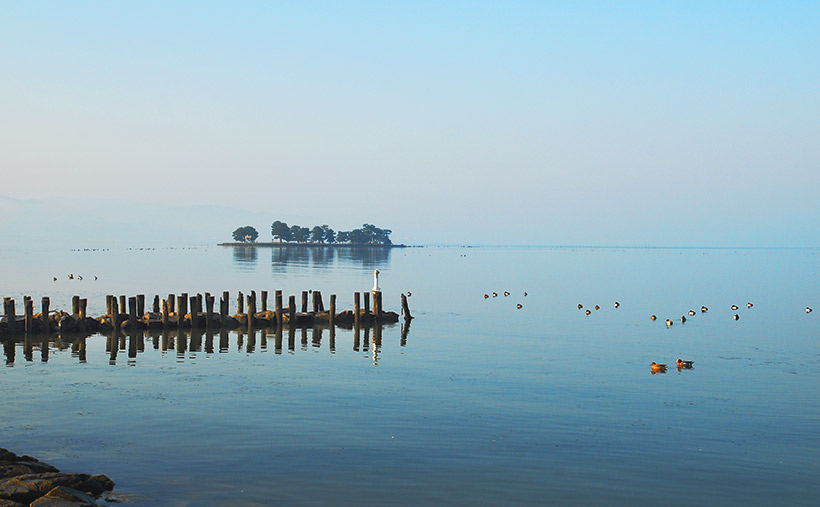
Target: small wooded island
point(320, 235)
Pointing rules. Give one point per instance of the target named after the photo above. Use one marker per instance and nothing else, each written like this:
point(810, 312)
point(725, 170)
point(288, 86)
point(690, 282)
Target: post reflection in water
point(251, 341)
point(44, 350)
point(405, 330)
point(223, 342)
point(188, 343)
point(9, 351)
point(277, 340)
point(209, 341)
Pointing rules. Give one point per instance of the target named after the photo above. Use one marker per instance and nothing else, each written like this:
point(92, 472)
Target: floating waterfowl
point(685, 365)
point(506, 293)
point(495, 294)
point(79, 277)
point(749, 305)
point(808, 310)
point(668, 322)
point(580, 306)
point(71, 276)
point(617, 304)
point(486, 296)
point(703, 309)
point(736, 317)
point(653, 317)
point(95, 277)
point(588, 312)
point(657, 368)
point(409, 293)
point(691, 312)
point(525, 293)
point(55, 278)
point(683, 319)
point(519, 306)
point(597, 307)
point(734, 307)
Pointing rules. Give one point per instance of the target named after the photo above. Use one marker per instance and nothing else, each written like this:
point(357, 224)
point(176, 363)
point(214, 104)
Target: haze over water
point(480, 402)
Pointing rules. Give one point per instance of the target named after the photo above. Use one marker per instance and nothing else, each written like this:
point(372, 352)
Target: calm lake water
point(478, 403)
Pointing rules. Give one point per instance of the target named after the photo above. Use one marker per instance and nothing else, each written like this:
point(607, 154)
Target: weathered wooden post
point(164, 314)
point(199, 308)
point(251, 309)
point(194, 316)
point(367, 306)
point(377, 305)
point(75, 306)
point(123, 302)
point(155, 307)
point(405, 308)
point(223, 309)
point(28, 305)
point(115, 315)
point(278, 307)
point(356, 308)
point(316, 296)
point(132, 314)
point(332, 315)
point(240, 306)
point(209, 311)
point(46, 302)
point(8, 309)
point(304, 301)
point(292, 310)
point(171, 300)
point(140, 305)
point(83, 308)
point(264, 295)
point(182, 302)
point(108, 304)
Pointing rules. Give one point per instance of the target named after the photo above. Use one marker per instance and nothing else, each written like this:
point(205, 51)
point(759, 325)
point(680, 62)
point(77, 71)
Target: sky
point(462, 122)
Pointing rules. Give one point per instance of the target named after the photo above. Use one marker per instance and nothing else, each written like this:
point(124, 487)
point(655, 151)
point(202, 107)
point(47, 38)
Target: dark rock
point(97, 485)
point(11, 503)
point(27, 488)
point(62, 496)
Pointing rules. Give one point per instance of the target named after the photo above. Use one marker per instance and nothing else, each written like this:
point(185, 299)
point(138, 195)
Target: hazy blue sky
point(599, 123)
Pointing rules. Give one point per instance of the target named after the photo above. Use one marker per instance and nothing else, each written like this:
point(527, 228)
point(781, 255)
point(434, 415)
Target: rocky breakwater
point(26, 481)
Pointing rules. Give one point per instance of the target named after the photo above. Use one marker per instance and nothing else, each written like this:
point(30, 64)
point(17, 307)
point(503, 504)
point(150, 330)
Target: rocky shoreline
point(27, 481)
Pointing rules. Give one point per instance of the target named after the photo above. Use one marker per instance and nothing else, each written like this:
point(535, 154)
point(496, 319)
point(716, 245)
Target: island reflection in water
point(189, 343)
point(284, 258)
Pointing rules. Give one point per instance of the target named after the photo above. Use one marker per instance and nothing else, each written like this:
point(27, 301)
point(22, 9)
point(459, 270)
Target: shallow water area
point(479, 401)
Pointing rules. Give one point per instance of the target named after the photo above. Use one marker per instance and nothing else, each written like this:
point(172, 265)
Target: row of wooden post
point(182, 304)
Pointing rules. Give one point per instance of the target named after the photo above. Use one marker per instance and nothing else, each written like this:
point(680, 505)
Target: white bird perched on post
point(376, 281)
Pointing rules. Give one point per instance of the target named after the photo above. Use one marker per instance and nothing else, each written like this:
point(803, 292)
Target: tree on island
point(245, 234)
point(280, 230)
point(368, 234)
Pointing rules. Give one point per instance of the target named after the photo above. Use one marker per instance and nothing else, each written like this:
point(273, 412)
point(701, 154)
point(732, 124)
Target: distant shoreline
point(310, 245)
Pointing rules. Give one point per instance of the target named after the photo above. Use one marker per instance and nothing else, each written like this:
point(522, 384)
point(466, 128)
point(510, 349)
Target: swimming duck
point(749, 305)
point(703, 309)
point(683, 319)
point(409, 293)
point(495, 294)
point(519, 306)
point(580, 306)
point(588, 312)
point(668, 322)
point(736, 317)
point(525, 293)
point(506, 293)
point(653, 317)
point(734, 307)
point(691, 312)
point(658, 368)
point(486, 296)
point(685, 365)
point(597, 307)
point(808, 309)
point(55, 278)
point(617, 304)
